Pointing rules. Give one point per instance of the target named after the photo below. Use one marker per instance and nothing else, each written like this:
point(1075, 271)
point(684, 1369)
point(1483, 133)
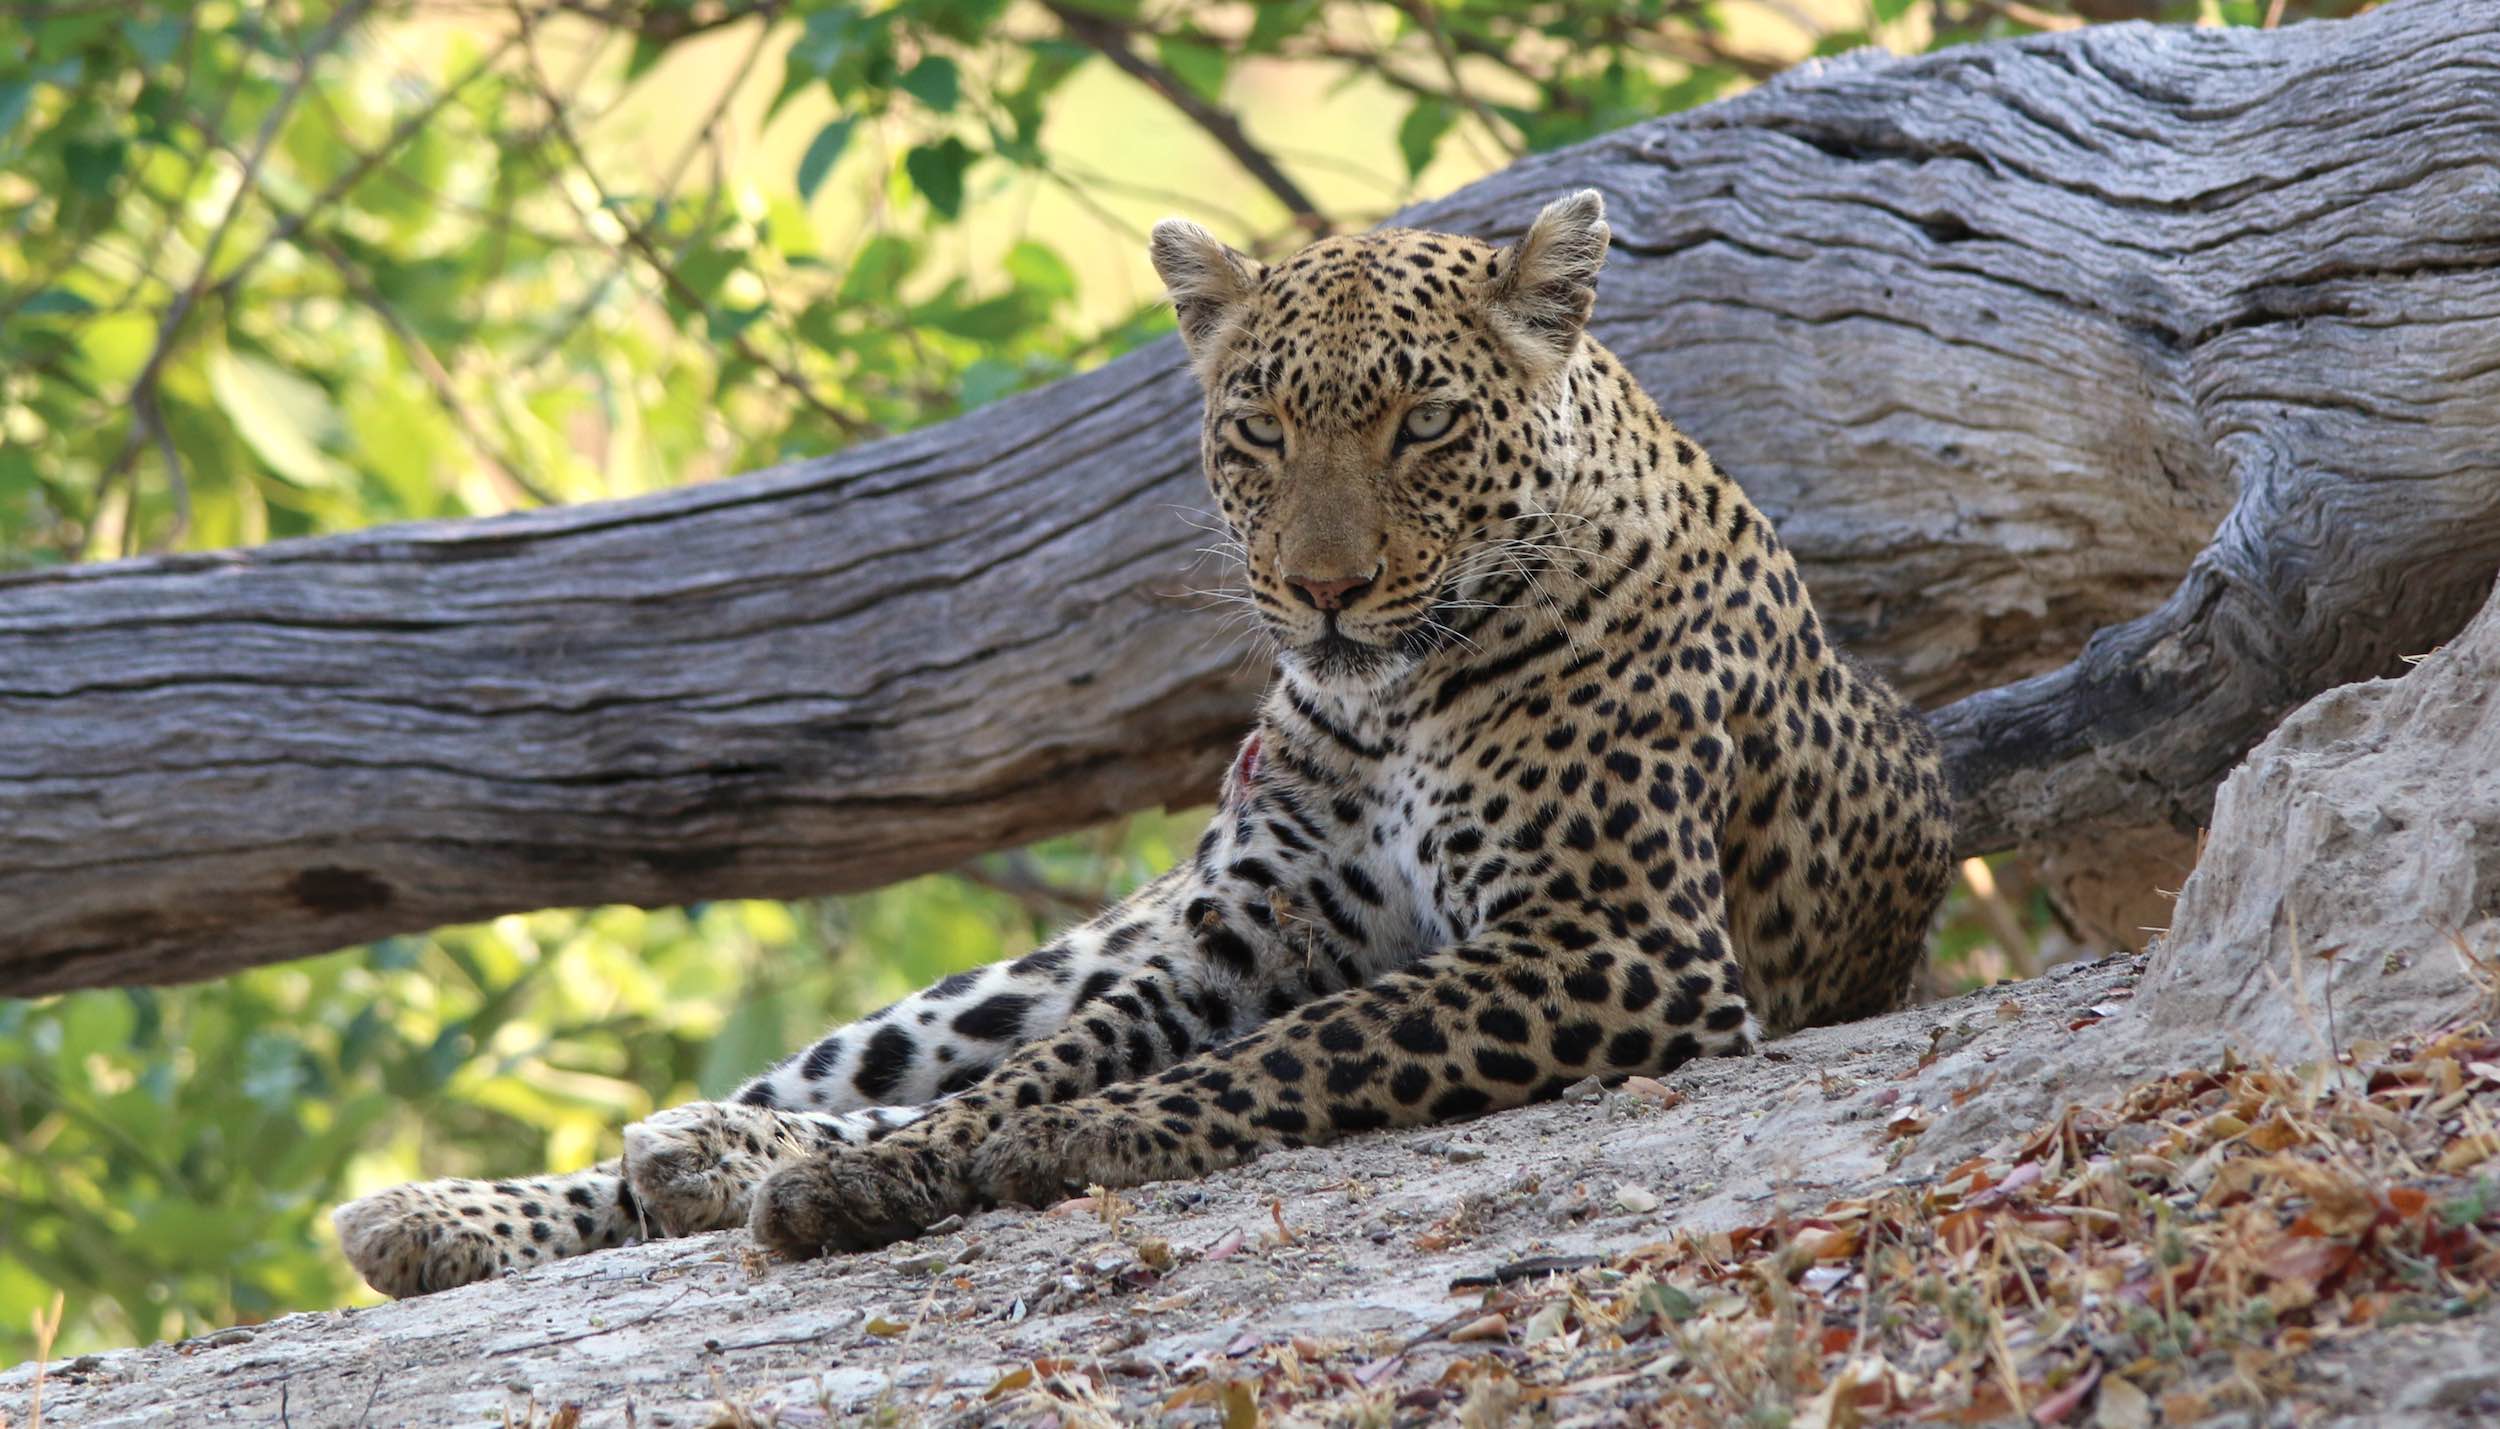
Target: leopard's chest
point(1342, 851)
point(1407, 788)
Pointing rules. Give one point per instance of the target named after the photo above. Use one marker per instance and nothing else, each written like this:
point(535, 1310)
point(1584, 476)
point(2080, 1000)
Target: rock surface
point(2348, 890)
point(2352, 870)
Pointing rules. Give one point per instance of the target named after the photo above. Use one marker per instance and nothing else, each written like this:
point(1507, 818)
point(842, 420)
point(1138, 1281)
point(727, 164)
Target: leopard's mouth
point(1368, 643)
point(1336, 654)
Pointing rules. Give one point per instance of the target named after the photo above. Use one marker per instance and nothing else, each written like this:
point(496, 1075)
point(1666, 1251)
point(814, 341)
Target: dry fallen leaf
point(1825, 1243)
point(1240, 1401)
point(2185, 1406)
point(2339, 1205)
point(2275, 1133)
point(1545, 1324)
point(1020, 1377)
point(1862, 1392)
point(2469, 1151)
point(2122, 1406)
point(2055, 1408)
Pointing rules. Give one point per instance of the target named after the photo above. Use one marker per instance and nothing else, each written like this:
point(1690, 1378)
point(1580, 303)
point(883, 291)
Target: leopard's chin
point(1336, 658)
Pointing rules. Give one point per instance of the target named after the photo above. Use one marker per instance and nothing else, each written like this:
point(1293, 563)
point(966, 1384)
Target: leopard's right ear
point(1209, 284)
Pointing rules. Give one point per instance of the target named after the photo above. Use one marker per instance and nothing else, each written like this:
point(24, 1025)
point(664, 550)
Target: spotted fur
point(1560, 777)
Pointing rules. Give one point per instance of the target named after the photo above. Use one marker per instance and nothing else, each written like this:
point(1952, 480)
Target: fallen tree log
point(2008, 340)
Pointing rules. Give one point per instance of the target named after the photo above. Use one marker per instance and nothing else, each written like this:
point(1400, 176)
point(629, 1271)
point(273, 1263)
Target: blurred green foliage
point(277, 267)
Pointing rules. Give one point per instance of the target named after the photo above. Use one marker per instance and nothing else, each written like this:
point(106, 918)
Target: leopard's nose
point(1329, 594)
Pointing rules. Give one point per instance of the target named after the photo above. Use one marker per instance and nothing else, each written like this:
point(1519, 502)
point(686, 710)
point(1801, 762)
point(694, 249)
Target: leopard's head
point(1379, 408)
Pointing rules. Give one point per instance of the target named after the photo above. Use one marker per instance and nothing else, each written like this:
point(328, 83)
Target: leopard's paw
point(414, 1240)
point(1045, 1153)
point(852, 1201)
point(695, 1168)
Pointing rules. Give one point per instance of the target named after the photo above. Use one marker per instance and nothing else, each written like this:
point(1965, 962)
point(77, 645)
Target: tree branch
point(1421, 13)
point(639, 240)
point(1112, 43)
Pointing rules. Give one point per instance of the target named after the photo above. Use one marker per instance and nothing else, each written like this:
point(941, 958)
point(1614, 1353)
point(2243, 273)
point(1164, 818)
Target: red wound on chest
point(1245, 770)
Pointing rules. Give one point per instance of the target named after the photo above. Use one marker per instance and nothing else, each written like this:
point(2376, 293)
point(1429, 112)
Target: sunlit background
point(277, 269)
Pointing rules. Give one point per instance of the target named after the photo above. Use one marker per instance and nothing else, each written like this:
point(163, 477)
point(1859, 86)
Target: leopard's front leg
point(685, 1170)
point(1491, 1023)
point(694, 1168)
point(870, 1196)
point(1482, 1026)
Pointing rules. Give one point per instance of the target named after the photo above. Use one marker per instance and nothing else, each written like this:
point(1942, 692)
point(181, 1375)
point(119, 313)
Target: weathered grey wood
point(2000, 336)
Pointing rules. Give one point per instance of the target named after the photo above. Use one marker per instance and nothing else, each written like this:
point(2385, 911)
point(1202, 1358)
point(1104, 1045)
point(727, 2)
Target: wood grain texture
point(2190, 334)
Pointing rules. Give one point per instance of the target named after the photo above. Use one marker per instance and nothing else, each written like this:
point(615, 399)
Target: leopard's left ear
point(1544, 286)
point(1209, 284)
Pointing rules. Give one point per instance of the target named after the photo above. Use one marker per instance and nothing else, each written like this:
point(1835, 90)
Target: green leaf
point(724, 324)
point(1704, 84)
point(934, 83)
point(966, 21)
point(285, 419)
point(822, 151)
point(153, 40)
point(1039, 270)
point(1840, 42)
point(273, 1070)
point(1887, 11)
point(56, 302)
point(748, 1042)
point(1276, 19)
point(20, 479)
point(93, 164)
point(991, 320)
point(645, 53)
point(828, 36)
point(852, 53)
point(989, 379)
point(1419, 134)
point(1667, 1301)
point(1201, 67)
point(937, 170)
point(96, 1024)
point(16, 96)
point(1053, 61)
point(883, 262)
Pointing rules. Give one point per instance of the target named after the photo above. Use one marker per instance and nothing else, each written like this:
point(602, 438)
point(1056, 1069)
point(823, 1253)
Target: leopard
point(1559, 776)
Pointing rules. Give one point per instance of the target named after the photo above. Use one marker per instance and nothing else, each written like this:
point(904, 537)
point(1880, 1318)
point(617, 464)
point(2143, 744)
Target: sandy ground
point(1373, 1233)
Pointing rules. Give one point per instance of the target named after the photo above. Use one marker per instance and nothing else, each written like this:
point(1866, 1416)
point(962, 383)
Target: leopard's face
point(1374, 416)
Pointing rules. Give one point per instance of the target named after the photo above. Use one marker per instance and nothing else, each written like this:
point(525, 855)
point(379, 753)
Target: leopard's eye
point(1263, 430)
point(1428, 421)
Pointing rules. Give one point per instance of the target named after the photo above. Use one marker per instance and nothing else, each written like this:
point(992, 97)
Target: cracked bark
point(2190, 338)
